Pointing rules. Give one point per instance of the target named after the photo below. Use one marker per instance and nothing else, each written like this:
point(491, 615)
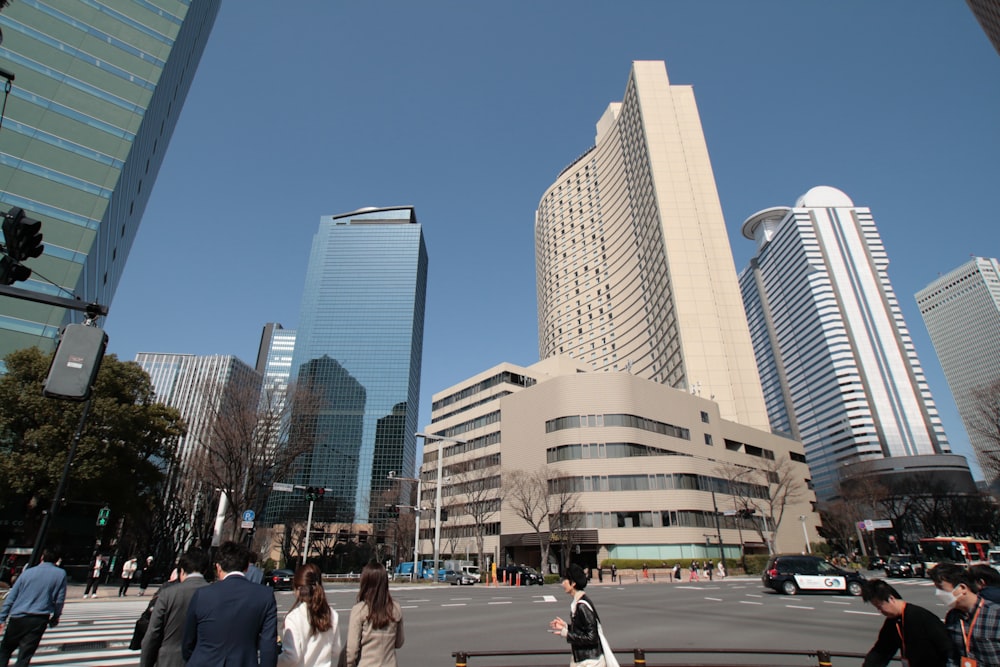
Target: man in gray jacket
point(162, 644)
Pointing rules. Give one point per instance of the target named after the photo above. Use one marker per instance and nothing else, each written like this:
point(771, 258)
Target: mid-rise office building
point(645, 471)
point(987, 12)
point(274, 356)
point(962, 312)
point(97, 92)
point(357, 360)
point(634, 268)
point(837, 363)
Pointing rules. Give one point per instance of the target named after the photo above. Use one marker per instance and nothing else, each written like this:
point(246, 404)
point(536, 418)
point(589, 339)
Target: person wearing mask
point(375, 630)
point(311, 637)
point(972, 622)
point(35, 601)
point(161, 645)
point(917, 634)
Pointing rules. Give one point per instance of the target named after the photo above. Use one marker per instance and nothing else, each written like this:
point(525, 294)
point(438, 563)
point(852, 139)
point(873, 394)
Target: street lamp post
point(428, 437)
point(416, 522)
point(805, 533)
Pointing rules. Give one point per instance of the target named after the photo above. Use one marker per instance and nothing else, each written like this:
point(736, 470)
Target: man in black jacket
point(916, 633)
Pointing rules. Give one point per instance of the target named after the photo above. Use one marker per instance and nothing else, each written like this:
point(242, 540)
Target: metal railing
point(819, 658)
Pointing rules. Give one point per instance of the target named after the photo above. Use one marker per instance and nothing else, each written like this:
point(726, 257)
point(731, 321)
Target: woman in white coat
point(311, 637)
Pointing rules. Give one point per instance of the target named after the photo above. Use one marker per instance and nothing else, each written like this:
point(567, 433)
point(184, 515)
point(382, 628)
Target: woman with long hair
point(311, 637)
point(376, 627)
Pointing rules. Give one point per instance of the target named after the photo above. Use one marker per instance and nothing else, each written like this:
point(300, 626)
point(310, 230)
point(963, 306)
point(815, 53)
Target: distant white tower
point(962, 314)
point(835, 357)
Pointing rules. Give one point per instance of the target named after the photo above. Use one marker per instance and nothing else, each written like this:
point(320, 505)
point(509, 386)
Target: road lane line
point(834, 602)
point(753, 595)
point(863, 613)
point(750, 602)
point(409, 606)
point(714, 599)
point(454, 604)
point(501, 602)
point(796, 606)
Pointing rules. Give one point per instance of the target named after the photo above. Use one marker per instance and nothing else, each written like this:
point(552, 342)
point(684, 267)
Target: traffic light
point(22, 235)
point(12, 271)
point(102, 515)
point(310, 493)
point(318, 493)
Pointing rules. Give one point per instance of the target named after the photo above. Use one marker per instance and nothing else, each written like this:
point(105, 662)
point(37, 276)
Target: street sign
point(278, 486)
point(881, 523)
point(246, 524)
point(248, 515)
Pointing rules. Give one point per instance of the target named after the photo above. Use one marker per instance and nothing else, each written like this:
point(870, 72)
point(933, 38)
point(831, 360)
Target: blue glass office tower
point(358, 353)
point(98, 89)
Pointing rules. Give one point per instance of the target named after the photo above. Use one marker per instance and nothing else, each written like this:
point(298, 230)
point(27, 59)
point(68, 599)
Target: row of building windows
point(656, 482)
point(467, 530)
point(601, 450)
point(628, 421)
point(505, 377)
point(658, 519)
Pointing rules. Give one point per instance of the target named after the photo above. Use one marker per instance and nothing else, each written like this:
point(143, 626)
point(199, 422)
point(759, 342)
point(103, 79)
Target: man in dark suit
point(232, 620)
point(162, 644)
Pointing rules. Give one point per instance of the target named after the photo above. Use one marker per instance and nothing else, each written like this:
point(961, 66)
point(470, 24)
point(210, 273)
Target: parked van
point(472, 571)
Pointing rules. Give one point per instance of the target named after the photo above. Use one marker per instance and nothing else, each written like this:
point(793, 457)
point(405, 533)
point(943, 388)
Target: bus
point(960, 550)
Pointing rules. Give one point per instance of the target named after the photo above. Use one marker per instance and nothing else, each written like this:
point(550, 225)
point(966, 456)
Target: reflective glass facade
point(98, 90)
point(358, 352)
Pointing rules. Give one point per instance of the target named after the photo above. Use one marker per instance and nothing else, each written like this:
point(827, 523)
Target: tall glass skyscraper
point(98, 90)
point(836, 359)
point(962, 312)
point(357, 354)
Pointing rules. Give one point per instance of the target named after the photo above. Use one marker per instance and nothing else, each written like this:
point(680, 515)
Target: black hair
point(985, 574)
point(954, 575)
point(232, 557)
point(878, 590)
point(193, 560)
point(576, 575)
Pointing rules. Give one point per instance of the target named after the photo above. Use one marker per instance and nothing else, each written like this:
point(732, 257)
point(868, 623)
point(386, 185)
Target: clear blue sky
point(469, 110)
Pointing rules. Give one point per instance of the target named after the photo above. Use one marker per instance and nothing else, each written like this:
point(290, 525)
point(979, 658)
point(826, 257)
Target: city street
point(737, 613)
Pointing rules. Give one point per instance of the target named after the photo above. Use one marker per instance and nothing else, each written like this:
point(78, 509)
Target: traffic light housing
point(22, 235)
point(310, 493)
point(103, 515)
point(75, 364)
point(318, 493)
point(12, 271)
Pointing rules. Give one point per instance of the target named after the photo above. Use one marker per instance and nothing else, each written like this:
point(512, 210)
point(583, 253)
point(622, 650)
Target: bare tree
point(839, 524)
point(565, 517)
point(482, 496)
point(985, 423)
point(766, 491)
point(527, 493)
point(249, 441)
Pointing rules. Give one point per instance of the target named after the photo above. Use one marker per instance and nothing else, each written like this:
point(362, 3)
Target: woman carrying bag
point(311, 637)
point(584, 631)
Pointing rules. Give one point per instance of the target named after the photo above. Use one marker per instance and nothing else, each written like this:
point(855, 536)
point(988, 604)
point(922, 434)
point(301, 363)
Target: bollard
point(461, 659)
point(654, 576)
point(639, 657)
point(518, 578)
point(824, 658)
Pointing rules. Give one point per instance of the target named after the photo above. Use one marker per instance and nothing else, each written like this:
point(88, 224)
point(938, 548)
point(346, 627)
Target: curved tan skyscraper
point(634, 268)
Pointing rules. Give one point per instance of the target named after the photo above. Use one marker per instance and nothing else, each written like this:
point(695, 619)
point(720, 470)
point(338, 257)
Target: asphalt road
point(737, 613)
point(440, 620)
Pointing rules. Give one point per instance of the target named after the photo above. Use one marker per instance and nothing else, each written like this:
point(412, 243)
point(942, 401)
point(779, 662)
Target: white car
point(458, 578)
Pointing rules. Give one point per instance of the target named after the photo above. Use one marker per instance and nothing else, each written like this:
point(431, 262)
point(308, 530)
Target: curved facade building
point(634, 268)
point(836, 359)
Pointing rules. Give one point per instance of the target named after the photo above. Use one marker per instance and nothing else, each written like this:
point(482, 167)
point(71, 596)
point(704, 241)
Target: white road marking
point(795, 606)
point(714, 599)
point(754, 595)
point(548, 598)
point(834, 602)
point(750, 602)
point(863, 613)
point(501, 602)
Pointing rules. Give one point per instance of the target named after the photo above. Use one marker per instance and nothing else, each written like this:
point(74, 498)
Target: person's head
point(374, 592)
point(574, 579)
point(985, 576)
point(193, 561)
point(883, 597)
point(955, 586)
point(49, 555)
point(308, 584)
point(231, 557)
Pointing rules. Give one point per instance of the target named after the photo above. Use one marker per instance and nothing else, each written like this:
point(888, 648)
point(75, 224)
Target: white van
point(472, 571)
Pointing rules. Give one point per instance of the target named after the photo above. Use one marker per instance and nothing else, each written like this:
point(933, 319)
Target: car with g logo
point(794, 573)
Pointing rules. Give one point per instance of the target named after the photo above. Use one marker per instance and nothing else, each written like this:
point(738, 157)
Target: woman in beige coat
point(376, 627)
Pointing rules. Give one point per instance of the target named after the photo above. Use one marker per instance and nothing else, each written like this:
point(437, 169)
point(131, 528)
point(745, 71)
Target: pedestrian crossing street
point(92, 633)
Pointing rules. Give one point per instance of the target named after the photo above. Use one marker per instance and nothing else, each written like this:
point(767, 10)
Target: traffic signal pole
point(36, 552)
point(309, 521)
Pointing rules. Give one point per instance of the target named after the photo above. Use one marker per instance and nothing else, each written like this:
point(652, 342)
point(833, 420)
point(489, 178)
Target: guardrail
point(820, 658)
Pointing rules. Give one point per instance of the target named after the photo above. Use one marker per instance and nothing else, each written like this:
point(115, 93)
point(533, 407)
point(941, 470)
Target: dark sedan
point(279, 580)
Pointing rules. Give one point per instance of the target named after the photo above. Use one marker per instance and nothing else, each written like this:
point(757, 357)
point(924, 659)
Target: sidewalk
point(74, 591)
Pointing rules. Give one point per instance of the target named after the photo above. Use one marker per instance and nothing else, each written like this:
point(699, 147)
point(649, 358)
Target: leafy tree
point(128, 441)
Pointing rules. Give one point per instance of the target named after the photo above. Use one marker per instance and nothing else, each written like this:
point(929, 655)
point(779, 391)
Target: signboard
point(820, 583)
point(881, 523)
point(248, 515)
point(246, 524)
point(278, 486)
